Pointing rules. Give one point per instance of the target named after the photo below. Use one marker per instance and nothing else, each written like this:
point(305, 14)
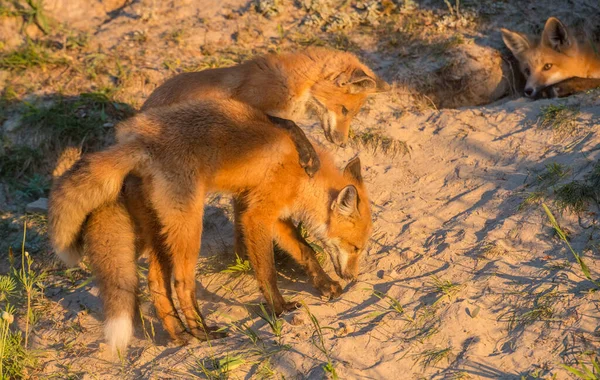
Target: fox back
point(332, 84)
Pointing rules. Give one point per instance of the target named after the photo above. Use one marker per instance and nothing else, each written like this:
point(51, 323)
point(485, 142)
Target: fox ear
point(555, 35)
point(516, 42)
point(357, 82)
point(346, 202)
point(352, 170)
point(382, 86)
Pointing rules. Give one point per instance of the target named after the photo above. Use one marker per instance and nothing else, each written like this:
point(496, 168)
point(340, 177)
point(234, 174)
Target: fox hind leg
point(181, 223)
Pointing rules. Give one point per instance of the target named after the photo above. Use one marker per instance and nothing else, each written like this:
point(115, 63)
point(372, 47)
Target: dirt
point(463, 277)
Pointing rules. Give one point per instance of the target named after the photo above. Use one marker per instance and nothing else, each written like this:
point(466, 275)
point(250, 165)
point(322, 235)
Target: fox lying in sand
point(180, 154)
point(557, 65)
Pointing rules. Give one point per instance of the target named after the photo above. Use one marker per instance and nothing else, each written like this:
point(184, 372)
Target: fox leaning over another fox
point(208, 132)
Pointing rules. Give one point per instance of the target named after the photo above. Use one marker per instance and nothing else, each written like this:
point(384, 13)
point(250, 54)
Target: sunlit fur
point(544, 62)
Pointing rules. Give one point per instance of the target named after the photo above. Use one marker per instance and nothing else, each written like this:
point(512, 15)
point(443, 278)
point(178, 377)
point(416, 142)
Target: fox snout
point(530, 92)
point(338, 138)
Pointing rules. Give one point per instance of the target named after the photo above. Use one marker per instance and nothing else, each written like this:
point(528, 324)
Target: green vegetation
point(30, 55)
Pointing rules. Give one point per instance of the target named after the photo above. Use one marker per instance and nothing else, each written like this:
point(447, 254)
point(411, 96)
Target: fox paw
point(309, 161)
point(330, 289)
point(287, 306)
point(208, 333)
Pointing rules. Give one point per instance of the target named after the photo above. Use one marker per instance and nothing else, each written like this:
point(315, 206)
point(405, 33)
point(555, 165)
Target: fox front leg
point(309, 160)
point(569, 87)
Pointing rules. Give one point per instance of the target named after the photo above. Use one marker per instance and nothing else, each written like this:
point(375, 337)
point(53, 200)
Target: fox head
point(339, 98)
point(349, 225)
point(551, 60)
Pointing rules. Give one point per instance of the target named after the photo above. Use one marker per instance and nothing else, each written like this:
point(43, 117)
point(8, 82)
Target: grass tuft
point(432, 356)
point(29, 56)
point(376, 142)
point(560, 118)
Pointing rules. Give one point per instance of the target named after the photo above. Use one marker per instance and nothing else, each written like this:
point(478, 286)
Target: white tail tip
point(118, 331)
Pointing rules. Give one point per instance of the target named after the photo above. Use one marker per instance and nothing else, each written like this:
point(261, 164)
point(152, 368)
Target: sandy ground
point(461, 280)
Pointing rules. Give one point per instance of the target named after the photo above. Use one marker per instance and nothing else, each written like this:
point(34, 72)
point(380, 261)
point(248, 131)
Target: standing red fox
point(182, 153)
point(333, 84)
point(556, 65)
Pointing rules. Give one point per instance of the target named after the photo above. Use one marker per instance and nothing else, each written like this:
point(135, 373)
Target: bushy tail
point(94, 180)
point(65, 161)
point(109, 241)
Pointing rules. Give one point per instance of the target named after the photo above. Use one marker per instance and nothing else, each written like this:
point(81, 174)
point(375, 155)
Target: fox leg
point(258, 240)
point(309, 159)
point(569, 87)
point(109, 241)
point(181, 222)
point(239, 207)
point(288, 238)
point(160, 266)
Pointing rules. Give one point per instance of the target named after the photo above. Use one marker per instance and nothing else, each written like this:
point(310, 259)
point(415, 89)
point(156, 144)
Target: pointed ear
point(357, 82)
point(346, 202)
point(352, 170)
point(555, 35)
point(516, 42)
point(382, 86)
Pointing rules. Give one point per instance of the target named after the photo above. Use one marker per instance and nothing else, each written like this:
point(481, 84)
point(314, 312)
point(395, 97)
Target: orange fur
point(555, 57)
point(178, 155)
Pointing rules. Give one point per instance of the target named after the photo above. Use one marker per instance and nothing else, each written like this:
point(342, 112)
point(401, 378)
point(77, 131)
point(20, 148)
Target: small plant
point(445, 288)
point(272, 320)
point(30, 281)
point(320, 252)
point(561, 234)
point(560, 118)
point(318, 340)
point(240, 267)
point(532, 198)
point(553, 174)
point(221, 368)
point(30, 55)
point(393, 303)
point(376, 142)
point(432, 356)
point(575, 196)
point(585, 373)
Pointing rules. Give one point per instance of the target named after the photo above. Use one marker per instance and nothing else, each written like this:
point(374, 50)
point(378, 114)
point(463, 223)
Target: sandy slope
point(448, 211)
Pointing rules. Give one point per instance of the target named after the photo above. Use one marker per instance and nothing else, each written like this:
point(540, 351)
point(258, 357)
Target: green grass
point(563, 236)
point(560, 118)
point(240, 267)
point(444, 288)
point(431, 357)
point(376, 142)
point(318, 340)
point(19, 287)
point(29, 56)
point(584, 372)
point(553, 173)
point(79, 121)
point(319, 251)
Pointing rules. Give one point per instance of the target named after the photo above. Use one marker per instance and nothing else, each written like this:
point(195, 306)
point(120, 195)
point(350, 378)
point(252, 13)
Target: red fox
point(557, 64)
point(178, 155)
point(331, 83)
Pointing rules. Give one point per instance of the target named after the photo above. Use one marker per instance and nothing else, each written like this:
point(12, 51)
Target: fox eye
point(344, 111)
point(527, 71)
point(547, 66)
